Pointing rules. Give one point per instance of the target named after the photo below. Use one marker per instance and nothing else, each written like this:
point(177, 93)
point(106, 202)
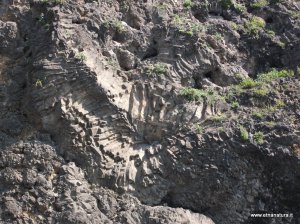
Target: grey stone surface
point(93, 128)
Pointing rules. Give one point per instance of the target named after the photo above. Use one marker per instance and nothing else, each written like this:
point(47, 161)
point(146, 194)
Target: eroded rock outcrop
point(95, 126)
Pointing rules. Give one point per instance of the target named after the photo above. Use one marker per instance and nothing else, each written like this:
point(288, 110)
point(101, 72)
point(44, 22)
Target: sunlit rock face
point(149, 111)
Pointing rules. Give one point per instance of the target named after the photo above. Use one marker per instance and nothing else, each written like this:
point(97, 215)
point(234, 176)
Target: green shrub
point(221, 129)
point(80, 56)
point(248, 83)
point(269, 123)
point(258, 137)
point(199, 129)
point(263, 91)
point(156, 69)
point(198, 28)
point(39, 83)
point(260, 4)
point(59, 2)
point(264, 78)
point(234, 25)
point(178, 20)
point(271, 33)
point(234, 105)
point(185, 26)
point(119, 26)
point(279, 104)
point(274, 74)
point(240, 8)
point(294, 14)
point(244, 133)
point(218, 37)
point(258, 114)
point(280, 44)
point(217, 118)
point(192, 94)
point(254, 25)
point(188, 4)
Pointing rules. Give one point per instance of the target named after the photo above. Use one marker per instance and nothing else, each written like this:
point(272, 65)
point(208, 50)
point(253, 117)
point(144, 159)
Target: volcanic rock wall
point(94, 127)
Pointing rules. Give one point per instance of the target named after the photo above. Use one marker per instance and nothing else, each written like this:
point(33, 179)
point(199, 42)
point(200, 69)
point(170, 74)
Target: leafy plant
point(39, 83)
point(187, 27)
point(280, 44)
point(264, 78)
point(188, 4)
point(212, 96)
point(271, 33)
point(234, 25)
point(274, 74)
point(279, 104)
point(221, 129)
point(248, 83)
point(240, 8)
point(156, 69)
point(178, 19)
point(192, 94)
point(294, 14)
point(60, 2)
point(198, 28)
point(119, 26)
point(255, 25)
point(81, 57)
point(234, 105)
point(259, 137)
point(218, 118)
point(244, 133)
point(260, 4)
point(199, 129)
point(258, 114)
point(269, 123)
point(260, 92)
point(218, 37)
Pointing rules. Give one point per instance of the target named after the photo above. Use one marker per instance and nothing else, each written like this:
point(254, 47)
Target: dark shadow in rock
point(150, 53)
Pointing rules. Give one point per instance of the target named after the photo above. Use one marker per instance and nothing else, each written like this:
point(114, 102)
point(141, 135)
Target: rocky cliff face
point(149, 111)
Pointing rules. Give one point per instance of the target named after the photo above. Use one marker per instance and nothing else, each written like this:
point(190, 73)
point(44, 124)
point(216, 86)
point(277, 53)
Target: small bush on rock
point(81, 57)
point(192, 94)
point(234, 105)
point(260, 4)
point(244, 133)
point(258, 137)
point(255, 25)
point(188, 4)
point(248, 83)
point(274, 74)
point(156, 69)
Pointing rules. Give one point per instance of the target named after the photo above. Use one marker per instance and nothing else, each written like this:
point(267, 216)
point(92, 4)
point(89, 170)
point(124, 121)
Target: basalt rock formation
point(149, 111)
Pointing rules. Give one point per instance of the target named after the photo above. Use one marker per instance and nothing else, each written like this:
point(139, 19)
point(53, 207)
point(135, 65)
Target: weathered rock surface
point(94, 128)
